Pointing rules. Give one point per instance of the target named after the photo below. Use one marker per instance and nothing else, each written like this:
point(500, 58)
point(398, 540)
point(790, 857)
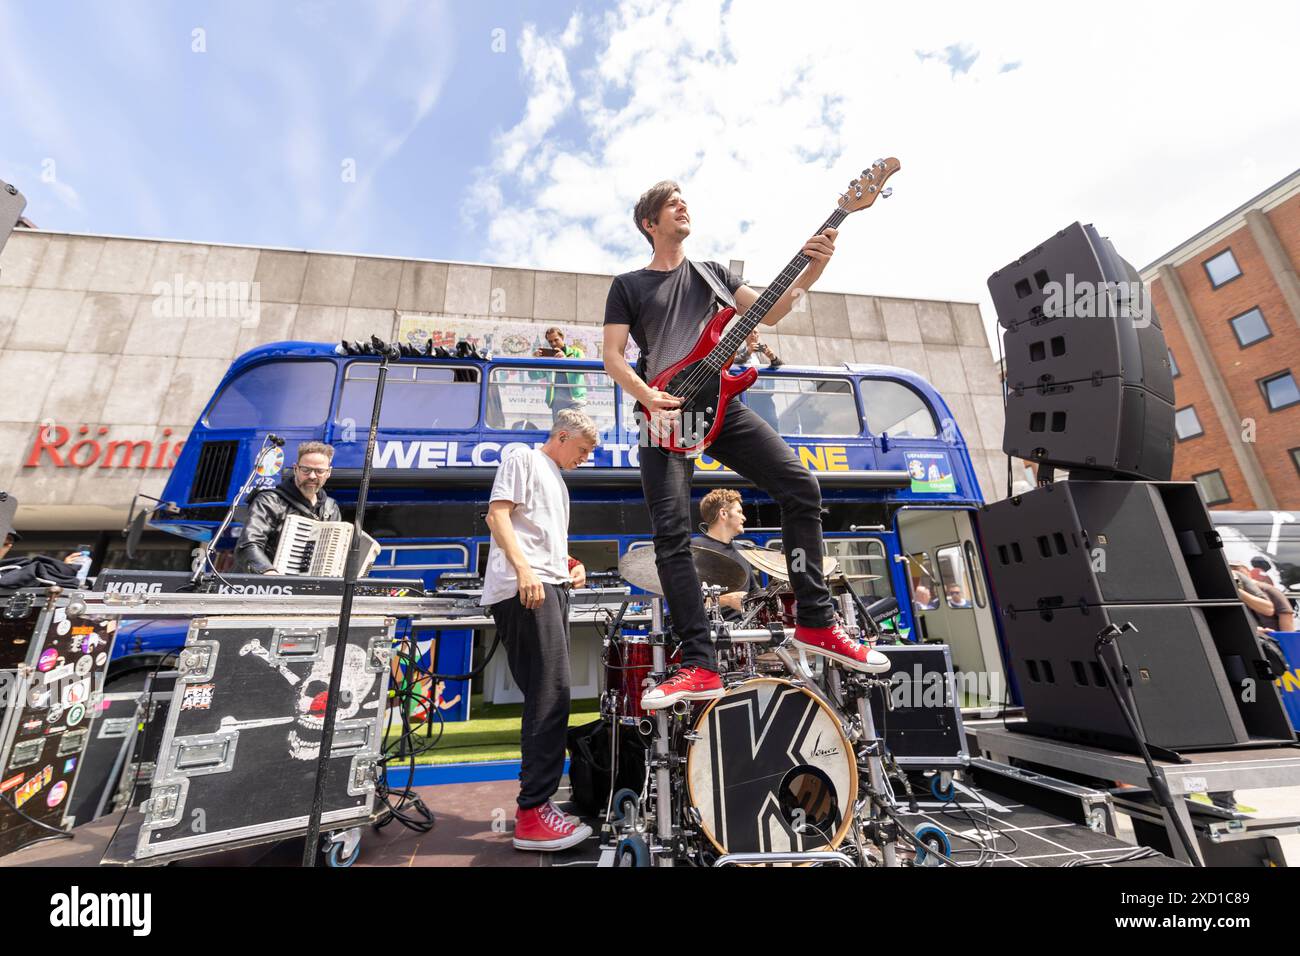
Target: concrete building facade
point(110, 347)
point(1229, 300)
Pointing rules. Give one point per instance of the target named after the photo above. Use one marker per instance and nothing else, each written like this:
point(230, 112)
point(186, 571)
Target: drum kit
point(785, 768)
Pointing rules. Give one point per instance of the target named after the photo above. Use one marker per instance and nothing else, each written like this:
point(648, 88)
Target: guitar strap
point(720, 290)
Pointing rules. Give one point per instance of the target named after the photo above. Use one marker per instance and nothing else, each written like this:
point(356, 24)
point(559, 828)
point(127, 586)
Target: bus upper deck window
point(806, 406)
point(895, 410)
point(275, 395)
point(527, 399)
point(416, 397)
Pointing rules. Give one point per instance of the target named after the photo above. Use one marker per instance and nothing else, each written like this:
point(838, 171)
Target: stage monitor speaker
point(922, 727)
point(1197, 675)
point(1085, 359)
point(12, 204)
point(1103, 542)
point(1100, 429)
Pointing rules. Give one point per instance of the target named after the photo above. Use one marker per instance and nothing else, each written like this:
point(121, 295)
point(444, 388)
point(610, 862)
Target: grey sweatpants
point(537, 649)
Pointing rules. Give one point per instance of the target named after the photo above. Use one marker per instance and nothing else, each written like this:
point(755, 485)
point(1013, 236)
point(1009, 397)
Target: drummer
point(724, 519)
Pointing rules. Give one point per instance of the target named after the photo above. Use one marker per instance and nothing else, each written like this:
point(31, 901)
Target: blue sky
point(245, 141)
point(522, 132)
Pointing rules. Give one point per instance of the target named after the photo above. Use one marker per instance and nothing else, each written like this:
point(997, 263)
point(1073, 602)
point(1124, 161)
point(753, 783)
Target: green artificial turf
point(491, 733)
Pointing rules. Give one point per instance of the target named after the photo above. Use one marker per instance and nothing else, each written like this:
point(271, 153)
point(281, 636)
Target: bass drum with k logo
point(771, 771)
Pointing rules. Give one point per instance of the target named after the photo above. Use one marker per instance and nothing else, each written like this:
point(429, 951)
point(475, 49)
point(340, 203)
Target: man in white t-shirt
point(526, 589)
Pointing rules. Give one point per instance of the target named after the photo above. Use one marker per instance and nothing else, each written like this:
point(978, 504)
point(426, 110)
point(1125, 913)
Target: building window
point(1173, 366)
point(1250, 327)
point(1186, 424)
point(1213, 487)
point(1222, 268)
point(1280, 391)
point(1295, 458)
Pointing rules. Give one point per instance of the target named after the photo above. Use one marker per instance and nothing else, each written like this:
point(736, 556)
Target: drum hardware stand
point(662, 758)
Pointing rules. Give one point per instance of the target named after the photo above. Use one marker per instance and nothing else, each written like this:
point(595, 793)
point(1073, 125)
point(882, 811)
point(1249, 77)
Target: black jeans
point(752, 449)
point(537, 649)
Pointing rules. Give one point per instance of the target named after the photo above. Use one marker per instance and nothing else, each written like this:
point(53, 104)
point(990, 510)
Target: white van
point(1271, 535)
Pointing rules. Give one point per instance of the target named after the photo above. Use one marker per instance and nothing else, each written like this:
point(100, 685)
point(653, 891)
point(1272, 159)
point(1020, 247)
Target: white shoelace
point(553, 818)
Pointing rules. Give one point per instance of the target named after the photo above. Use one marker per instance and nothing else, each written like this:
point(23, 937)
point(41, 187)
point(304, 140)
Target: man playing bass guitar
point(664, 308)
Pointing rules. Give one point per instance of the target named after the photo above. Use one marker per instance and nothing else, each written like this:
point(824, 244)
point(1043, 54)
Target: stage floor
point(463, 835)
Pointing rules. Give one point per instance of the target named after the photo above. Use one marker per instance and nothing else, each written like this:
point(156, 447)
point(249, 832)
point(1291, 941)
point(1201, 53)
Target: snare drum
point(628, 665)
point(771, 770)
point(788, 604)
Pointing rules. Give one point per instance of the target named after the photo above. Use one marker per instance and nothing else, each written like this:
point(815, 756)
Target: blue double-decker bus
point(897, 484)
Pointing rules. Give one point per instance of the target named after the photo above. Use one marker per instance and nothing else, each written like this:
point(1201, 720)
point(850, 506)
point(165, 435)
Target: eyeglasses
point(313, 471)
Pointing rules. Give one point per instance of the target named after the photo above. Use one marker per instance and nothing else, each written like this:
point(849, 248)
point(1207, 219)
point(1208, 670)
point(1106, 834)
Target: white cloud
point(1026, 118)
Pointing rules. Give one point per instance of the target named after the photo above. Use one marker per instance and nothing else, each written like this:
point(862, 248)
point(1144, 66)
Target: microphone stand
point(1119, 686)
point(387, 352)
point(206, 560)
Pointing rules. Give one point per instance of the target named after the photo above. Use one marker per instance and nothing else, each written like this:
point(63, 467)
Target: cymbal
point(638, 568)
point(860, 577)
point(772, 563)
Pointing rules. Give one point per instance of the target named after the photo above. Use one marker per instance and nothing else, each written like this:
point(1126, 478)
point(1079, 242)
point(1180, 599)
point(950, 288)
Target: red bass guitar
point(702, 380)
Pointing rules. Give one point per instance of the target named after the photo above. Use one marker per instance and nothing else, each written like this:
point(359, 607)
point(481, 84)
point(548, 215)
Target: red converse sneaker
point(689, 683)
point(546, 828)
point(832, 642)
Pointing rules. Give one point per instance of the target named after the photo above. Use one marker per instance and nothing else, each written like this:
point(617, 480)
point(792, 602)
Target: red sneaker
point(832, 642)
point(546, 828)
point(689, 683)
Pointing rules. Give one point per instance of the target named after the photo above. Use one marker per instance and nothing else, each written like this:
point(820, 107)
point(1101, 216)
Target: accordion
point(317, 548)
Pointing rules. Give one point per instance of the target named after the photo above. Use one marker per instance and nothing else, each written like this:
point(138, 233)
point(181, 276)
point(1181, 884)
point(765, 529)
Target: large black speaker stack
point(1089, 389)
point(1088, 381)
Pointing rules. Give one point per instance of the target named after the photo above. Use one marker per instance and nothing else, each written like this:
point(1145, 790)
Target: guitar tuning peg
point(879, 164)
point(866, 172)
point(886, 192)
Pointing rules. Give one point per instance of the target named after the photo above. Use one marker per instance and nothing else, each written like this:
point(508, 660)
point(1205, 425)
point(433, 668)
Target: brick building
point(1229, 301)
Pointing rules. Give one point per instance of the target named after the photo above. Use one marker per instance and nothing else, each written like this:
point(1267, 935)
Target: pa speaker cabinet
point(237, 762)
point(1075, 310)
point(1197, 675)
point(924, 728)
point(1104, 542)
point(1102, 425)
point(1062, 350)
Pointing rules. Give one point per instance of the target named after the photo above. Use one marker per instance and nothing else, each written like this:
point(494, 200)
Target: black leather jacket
point(255, 552)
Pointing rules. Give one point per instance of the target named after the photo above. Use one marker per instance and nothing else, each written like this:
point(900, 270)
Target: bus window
point(972, 573)
point(528, 398)
point(862, 559)
point(922, 582)
point(275, 395)
point(806, 406)
point(954, 575)
point(863, 556)
point(895, 410)
point(415, 396)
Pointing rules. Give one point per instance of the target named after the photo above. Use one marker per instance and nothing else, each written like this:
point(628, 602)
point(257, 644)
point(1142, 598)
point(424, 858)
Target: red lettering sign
point(52, 446)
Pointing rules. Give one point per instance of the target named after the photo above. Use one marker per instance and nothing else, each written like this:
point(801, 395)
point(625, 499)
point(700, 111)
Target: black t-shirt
point(666, 311)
